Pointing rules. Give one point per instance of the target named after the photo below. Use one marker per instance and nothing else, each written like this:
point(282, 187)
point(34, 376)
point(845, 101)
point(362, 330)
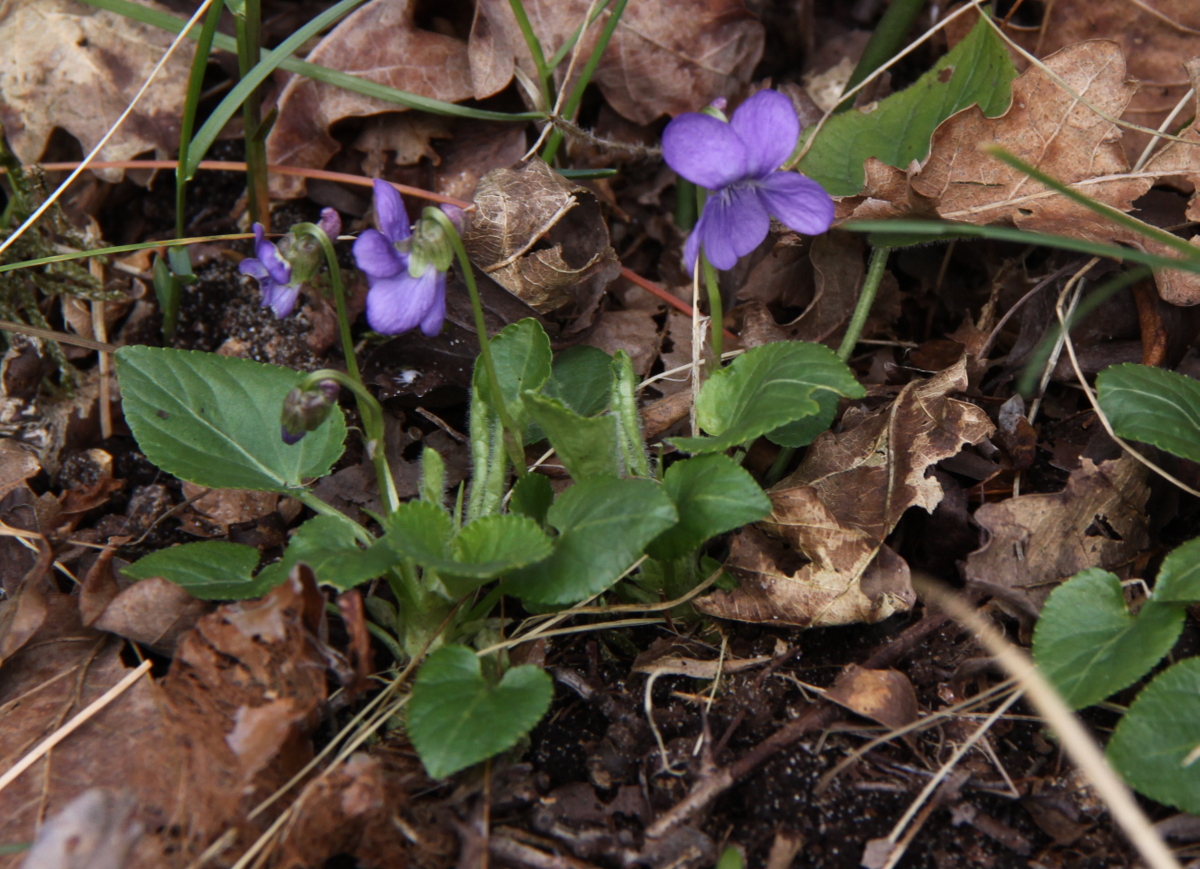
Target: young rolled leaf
point(330, 548)
point(1179, 577)
point(456, 719)
point(1154, 746)
point(766, 388)
point(712, 494)
point(581, 378)
point(209, 570)
point(1153, 406)
point(586, 445)
point(214, 420)
point(603, 525)
point(522, 356)
point(1090, 646)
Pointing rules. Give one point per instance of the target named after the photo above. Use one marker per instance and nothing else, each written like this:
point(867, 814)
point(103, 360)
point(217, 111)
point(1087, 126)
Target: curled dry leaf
point(886, 696)
point(379, 42)
point(154, 613)
point(541, 237)
point(1036, 541)
point(828, 564)
point(17, 464)
point(77, 69)
point(1050, 129)
point(664, 58)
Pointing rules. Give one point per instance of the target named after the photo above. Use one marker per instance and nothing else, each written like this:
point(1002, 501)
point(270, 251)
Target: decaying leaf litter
point(667, 743)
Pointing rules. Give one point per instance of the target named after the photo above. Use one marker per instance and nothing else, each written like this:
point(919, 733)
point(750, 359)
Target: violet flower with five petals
point(273, 273)
point(397, 300)
point(739, 162)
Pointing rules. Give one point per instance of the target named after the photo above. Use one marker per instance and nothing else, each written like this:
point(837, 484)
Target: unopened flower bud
point(457, 216)
point(305, 409)
point(330, 222)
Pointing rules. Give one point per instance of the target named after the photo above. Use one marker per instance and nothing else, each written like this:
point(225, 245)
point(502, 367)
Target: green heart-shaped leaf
point(456, 719)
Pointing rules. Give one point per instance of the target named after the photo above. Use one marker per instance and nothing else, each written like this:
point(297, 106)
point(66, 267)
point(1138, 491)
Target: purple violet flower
point(739, 162)
point(273, 273)
point(398, 300)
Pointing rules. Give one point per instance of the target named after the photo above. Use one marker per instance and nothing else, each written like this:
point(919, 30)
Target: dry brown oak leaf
point(1156, 36)
point(663, 58)
point(1036, 541)
point(75, 67)
point(1054, 131)
point(820, 559)
point(1049, 128)
point(379, 42)
point(197, 750)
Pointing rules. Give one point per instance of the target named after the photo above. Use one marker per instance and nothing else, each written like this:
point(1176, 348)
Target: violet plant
point(233, 423)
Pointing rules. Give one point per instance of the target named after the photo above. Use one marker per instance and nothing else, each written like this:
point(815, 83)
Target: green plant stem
point(372, 421)
point(249, 38)
point(512, 436)
point(866, 298)
point(686, 199)
point(887, 39)
point(339, 293)
point(312, 502)
point(535, 51)
point(775, 472)
point(715, 309)
point(589, 69)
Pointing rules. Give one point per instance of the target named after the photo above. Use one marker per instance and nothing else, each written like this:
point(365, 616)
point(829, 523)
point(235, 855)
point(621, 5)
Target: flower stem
point(866, 298)
point(715, 310)
point(339, 293)
point(512, 437)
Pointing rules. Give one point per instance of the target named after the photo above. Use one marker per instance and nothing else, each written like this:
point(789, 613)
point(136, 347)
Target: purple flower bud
point(330, 222)
point(305, 409)
point(739, 162)
point(457, 216)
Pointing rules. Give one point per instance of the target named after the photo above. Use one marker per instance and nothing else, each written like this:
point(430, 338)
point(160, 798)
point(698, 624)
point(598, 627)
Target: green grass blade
point(121, 248)
point(255, 77)
point(1116, 216)
point(903, 233)
point(188, 121)
point(589, 69)
point(171, 23)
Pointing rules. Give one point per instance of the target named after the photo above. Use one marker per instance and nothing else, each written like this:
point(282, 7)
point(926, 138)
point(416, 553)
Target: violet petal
point(704, 150)
point(252, 267)
point(376, 256)
point(768, 126)
point(431, 325)
point(397, 304)
point(390, 211)
point(279, 268)
point(734, 223)
point(691, 249)
point(281, 298)
point(798, 202)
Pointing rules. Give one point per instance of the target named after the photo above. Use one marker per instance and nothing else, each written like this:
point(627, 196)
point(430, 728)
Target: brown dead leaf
point(1048, 128)
point(99, 586)
point(632, 331)
point(24, 612)
point(664, 58)
point(541, 237)
point(77, 69)
point(379, 42)
point(211, 514)
point(17, 464)
point(886, 696)
point(154, 613)
point(837, 508)
point(1036, 541)
point(1156, 37)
